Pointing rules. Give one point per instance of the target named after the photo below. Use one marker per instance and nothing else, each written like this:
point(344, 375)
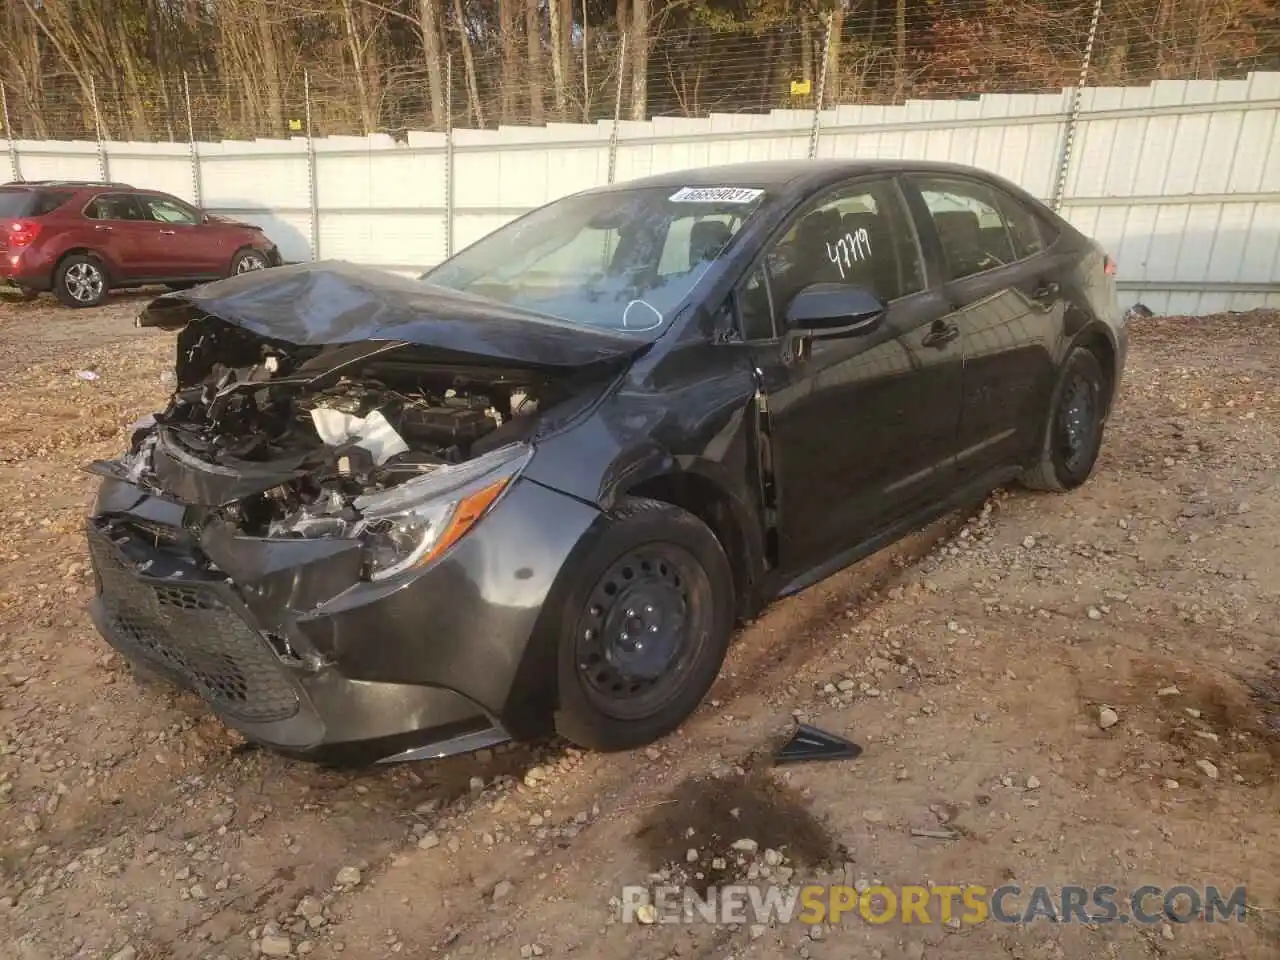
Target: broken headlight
point(410, 525)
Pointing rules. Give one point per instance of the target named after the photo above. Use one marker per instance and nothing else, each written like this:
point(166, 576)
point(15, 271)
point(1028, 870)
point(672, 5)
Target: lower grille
point(189, 632)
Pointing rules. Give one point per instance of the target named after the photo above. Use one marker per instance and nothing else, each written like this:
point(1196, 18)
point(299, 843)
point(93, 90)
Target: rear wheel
point(80, 281)
point(645, 629)
point(1073, 434)
point(248, 260)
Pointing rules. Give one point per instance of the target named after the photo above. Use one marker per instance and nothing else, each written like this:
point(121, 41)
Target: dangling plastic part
point(810, 743)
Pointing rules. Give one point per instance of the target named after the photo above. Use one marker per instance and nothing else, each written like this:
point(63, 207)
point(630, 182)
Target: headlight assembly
point(412, 524)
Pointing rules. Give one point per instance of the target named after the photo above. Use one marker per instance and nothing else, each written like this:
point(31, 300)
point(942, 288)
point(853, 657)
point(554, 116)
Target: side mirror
point(834, 310)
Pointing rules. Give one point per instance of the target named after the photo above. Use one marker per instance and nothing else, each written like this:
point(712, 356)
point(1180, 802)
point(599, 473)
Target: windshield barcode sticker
point(715, 195)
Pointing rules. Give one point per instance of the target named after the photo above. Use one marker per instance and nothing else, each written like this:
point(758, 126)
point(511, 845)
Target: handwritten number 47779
point(854, 246)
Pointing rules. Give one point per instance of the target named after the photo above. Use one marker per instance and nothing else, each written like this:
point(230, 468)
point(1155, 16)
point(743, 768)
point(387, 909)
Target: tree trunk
point(433, 53)
point(638, 54)
point(833, 56)
point(533, 39)
point(566, 50)
point(586, 68)
point(556, 22)
point(806, 51)
point(270, 71)
point(507, 38)
point(469, 64)
point(900, 55)
point(356, 48)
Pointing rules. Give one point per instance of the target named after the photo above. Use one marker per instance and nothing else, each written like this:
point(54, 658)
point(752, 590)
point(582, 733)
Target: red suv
point(81, 239)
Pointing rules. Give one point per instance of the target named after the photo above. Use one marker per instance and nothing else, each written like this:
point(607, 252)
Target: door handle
point(167, 233)
point(941, 335)
point(1047, 290)
point(102, 226)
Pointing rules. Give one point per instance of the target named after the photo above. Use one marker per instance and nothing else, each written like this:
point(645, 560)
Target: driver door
point(186, 246)
point(862, 427)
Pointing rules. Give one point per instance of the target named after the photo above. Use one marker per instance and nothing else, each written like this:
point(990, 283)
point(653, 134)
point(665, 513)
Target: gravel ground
point(1049, 690)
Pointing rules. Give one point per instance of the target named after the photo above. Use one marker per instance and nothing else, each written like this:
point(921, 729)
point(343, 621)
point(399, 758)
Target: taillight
point(1108, 266)
point(22, 233)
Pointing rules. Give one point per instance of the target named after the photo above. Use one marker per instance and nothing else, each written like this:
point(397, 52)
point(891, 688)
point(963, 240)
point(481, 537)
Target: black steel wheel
point(647, 628)
point(1073, 435)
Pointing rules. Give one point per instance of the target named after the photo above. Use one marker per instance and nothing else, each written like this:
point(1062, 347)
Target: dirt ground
point(980, 664)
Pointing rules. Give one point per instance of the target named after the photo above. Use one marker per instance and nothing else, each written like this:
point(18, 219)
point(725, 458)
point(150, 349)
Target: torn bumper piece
point(287, 644)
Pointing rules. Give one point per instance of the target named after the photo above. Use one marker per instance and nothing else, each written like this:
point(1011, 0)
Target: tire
point(248, 260)
point(80, 280)
point(657, 575)
point(1074, 427)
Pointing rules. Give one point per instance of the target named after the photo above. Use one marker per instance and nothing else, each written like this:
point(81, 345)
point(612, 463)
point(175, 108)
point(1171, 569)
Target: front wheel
point(80, 281)
point(644, 630)
point(1073, 434)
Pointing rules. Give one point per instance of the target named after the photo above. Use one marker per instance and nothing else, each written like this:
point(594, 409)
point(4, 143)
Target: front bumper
point(289, 646)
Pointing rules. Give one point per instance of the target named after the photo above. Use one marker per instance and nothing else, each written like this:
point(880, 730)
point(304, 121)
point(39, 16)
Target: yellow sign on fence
point(295, 124)
point(800, 87)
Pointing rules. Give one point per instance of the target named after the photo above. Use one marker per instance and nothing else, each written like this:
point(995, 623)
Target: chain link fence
point(358, 67)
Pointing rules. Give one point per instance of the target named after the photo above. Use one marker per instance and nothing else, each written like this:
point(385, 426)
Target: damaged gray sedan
point(531, 492)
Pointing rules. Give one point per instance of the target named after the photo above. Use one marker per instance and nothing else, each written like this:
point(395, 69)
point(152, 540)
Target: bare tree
point(556, 23)
point(473, 89)
point(900, 53)
point(638, 54)
point(507, 38)
point(533, 39)
point(433, 52)
point(360, 42)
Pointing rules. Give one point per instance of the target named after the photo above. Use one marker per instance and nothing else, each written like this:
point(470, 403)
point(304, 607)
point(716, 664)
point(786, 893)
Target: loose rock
point(275, 945)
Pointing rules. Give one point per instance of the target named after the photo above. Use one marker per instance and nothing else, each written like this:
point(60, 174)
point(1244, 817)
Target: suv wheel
point(80, 281)
point(248, 260)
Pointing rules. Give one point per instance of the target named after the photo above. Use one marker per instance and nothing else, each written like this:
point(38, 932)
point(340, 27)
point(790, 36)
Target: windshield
point(623, 259)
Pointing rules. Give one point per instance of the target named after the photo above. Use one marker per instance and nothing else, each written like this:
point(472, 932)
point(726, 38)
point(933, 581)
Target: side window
point(168, 211)
point(860, 235)
point(117, 206)
point(47, 203)
point(1024, 227)
point(973, 231)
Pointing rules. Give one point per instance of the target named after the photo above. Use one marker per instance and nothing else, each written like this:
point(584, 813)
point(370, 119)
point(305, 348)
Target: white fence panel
point(1179, 180)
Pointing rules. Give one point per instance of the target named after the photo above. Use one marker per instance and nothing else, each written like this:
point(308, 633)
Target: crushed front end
point(335, 545)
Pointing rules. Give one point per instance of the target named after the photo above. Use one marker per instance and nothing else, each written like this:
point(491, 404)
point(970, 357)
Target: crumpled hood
point(334, 302)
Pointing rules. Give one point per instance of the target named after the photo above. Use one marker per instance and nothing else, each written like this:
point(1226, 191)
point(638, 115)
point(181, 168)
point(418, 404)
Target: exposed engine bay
point(301, 432)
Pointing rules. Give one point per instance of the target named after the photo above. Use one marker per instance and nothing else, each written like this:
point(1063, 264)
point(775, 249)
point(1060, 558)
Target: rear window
point(30, 203)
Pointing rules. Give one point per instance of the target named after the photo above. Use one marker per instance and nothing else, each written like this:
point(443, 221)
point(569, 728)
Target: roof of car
point(63, 185)
point(776, 174)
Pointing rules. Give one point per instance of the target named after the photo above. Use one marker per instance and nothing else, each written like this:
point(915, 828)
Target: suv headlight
point(412, 524)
